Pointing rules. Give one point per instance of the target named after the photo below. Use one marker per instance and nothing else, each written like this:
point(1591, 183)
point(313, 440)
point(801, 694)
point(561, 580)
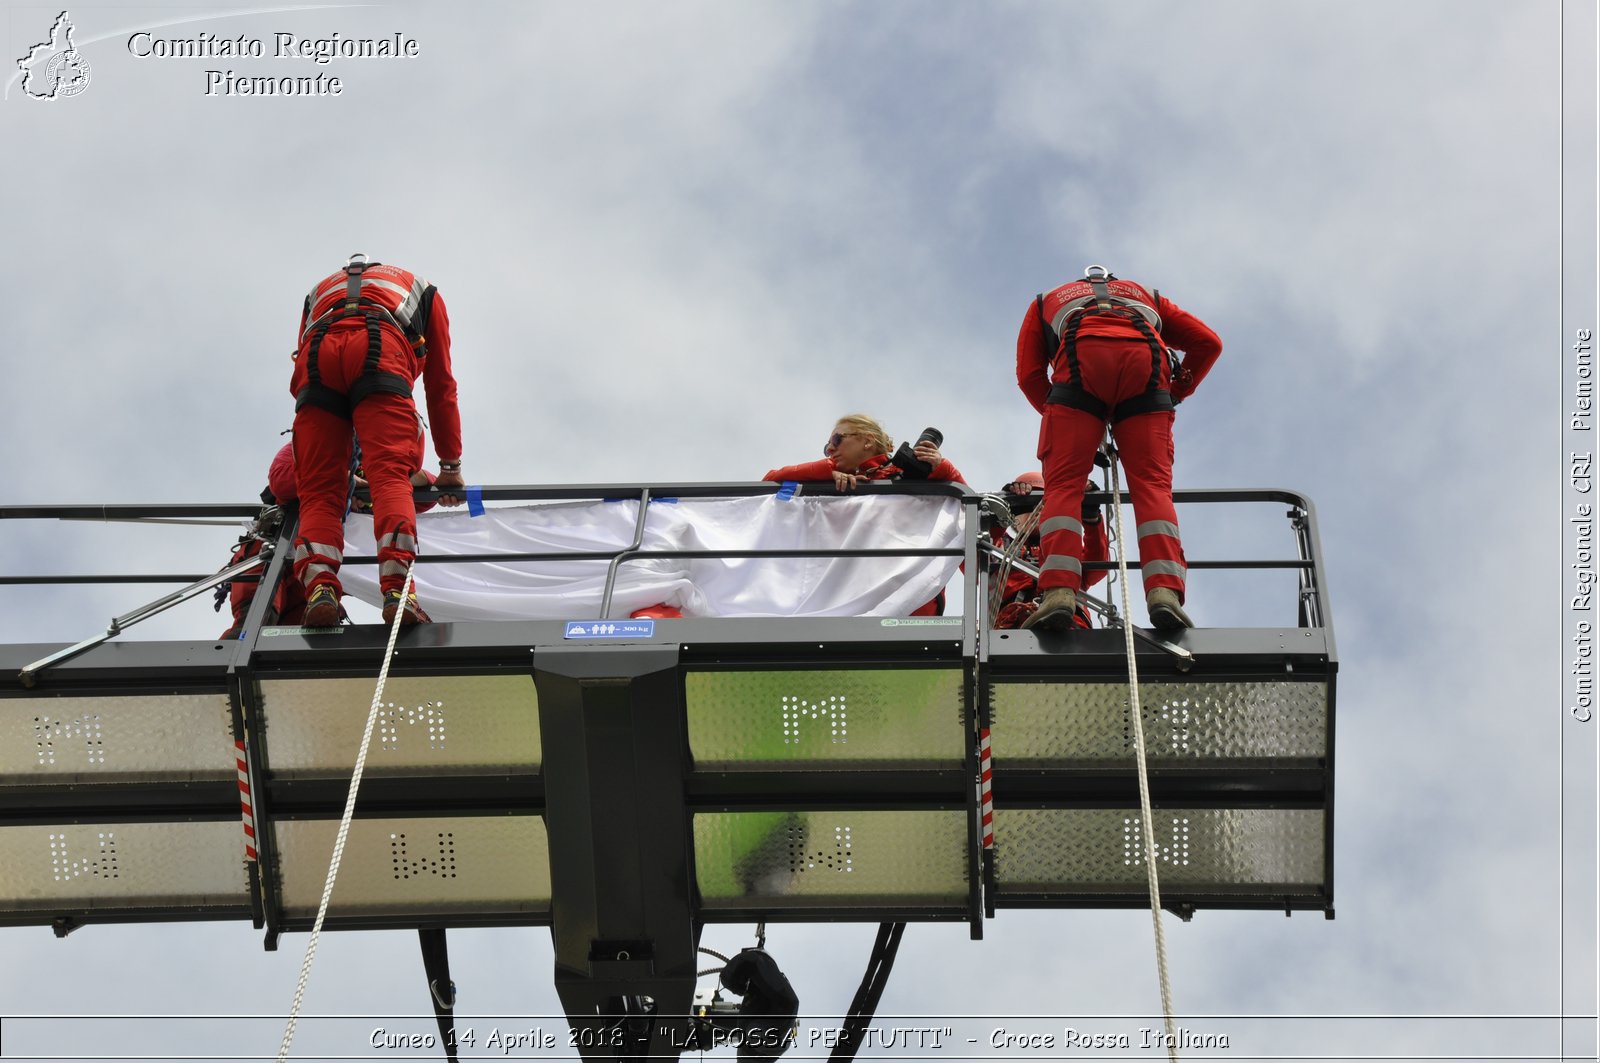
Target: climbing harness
point(1147, 818)
point(1063, 329)
point(344, 830)
point(409, 318)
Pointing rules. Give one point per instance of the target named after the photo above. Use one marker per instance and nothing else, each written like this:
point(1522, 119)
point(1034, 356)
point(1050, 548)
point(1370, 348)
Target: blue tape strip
point(787, 491)
point(475, 500)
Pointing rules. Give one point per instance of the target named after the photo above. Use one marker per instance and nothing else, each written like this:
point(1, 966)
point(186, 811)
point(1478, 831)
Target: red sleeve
point(946, 473)
point(423, 507)
point(295, 382)
point(280, 477)
point(821, 469)
point(440, 385)
point(1095, 548)
point(1033, 364)
point(1200, 346)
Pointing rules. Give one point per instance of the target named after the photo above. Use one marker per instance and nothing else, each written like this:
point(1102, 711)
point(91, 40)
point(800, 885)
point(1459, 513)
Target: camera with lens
point(911, 466)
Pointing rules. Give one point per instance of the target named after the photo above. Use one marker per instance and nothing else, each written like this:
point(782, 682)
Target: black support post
point(622, 912)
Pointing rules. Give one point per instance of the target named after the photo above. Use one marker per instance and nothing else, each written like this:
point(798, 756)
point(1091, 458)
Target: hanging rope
point(1022, 528)
point(344, 826)
point(1147, 819)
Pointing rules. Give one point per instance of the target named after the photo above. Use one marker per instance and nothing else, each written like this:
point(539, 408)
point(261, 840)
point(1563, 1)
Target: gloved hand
point(361, 505)
point(1182, 385)
point(1090, 512)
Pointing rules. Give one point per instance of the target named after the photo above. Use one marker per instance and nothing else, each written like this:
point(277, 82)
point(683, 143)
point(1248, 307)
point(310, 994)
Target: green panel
point(427, 725)
point(1186, 724)
point(830, 859)
point(816, 720)
point(1206, 850)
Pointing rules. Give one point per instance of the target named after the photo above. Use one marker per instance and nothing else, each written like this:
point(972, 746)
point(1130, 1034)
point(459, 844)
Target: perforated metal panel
point(812, 859)
point(797, 720)
point(1098, 850)
point(121, 865)
point(185, 737)
point(432, 866)
point(1191, 724)
point(427, 725)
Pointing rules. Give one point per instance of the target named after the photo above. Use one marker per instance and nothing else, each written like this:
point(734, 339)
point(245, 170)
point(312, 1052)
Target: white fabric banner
point(572, 589)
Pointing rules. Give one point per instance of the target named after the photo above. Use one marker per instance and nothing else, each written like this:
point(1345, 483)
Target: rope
point(1022, 529)
point(344, 825)
point(1147, 817)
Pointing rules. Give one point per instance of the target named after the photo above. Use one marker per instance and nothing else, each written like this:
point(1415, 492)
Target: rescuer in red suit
point(1018, 599)
point(289, 599)
point(859, 449)
point(1104, 343)
point(366, 333)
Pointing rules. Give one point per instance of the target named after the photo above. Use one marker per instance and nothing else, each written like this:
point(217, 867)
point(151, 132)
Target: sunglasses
point(835, 439)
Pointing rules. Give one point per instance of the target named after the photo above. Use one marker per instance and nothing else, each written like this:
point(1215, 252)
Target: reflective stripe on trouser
point(391, 450)
point(1161, 556)
point(316, 562)
point(1067, 442)
point(396, 551)
point(322, 479)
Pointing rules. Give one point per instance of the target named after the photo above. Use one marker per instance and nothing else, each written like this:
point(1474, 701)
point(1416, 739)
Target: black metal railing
point(1312, 605)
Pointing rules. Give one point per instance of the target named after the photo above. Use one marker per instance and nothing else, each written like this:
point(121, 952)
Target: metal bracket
point(29, 675)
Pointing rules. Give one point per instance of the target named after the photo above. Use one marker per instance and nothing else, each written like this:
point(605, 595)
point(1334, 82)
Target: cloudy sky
point(679, 240)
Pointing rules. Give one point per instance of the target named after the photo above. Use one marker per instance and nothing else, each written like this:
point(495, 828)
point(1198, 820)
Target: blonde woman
point(859, 449)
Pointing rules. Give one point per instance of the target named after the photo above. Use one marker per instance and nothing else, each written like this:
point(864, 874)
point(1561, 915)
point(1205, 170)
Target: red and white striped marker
point(245, 811)
point(985, 797)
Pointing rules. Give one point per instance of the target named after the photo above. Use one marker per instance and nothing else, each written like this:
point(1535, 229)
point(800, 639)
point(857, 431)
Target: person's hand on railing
point(451, 487)
point(357, 503)
point(844, 481)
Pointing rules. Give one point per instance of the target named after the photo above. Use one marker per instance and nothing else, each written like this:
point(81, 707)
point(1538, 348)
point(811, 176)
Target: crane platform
point(627, 783)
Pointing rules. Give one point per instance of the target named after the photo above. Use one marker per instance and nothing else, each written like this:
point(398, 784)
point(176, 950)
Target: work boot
point(1055, 611)
point(410, 615)
point(322, 607)
point(1166, 612)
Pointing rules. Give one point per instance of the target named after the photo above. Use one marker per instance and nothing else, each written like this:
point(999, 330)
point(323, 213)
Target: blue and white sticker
point(610, 629)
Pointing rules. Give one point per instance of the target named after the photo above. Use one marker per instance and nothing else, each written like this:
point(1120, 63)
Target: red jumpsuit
point(289, 600)
point(385, 421)
point(1109, 362)
point(1016, 601)
point(877, 467)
